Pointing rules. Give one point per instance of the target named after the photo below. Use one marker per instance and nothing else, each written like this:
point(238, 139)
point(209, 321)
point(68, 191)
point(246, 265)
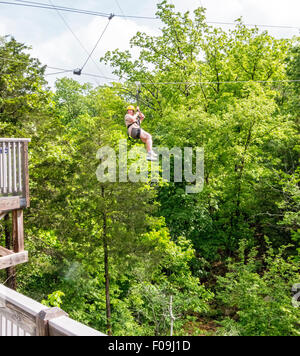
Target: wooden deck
point(14, 174)
point(19, 315)
point(14, 196)
point(22, 316)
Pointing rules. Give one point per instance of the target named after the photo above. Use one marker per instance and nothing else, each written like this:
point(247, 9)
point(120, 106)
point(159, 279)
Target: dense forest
point(142, 258)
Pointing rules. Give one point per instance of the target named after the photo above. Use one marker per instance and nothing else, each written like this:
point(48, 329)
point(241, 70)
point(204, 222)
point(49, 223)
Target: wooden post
point(18, 231)
point(10, 271)
point(43, 318)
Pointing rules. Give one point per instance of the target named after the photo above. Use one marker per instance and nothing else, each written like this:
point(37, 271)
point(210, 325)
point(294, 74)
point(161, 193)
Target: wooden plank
point(26, 173)
point(5, 252)
point(30, 315)
point(64, 326)
point(19, 168)
point(18, 230)
point(9, 173)
point(1, 171)
point(13, 260)
point(4, 167)
point(20, 303)
point(43, 318)
point(15, 139)
point(9, 203)
point(15, 190)
point(19, 319)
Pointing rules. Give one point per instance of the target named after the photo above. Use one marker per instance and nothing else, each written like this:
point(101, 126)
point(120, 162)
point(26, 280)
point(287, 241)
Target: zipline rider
point(133, 123)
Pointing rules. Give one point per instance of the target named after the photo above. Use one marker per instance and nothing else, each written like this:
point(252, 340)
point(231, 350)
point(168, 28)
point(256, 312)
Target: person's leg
point(147, 139)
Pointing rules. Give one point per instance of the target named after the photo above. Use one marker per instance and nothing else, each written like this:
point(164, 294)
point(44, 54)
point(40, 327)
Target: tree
point(71, 99)
point(237, 123)
point(23, 100)
point(293, 89)
point(259, 298)
point(22, 96)
point(118, 253)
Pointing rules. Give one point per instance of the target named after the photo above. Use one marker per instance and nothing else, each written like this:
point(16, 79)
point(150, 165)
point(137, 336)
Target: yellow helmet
point(131, 108)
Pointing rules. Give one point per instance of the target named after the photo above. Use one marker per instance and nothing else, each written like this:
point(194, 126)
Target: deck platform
point(14, 197)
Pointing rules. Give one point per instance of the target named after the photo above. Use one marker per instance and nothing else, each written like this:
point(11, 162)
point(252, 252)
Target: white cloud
point(64, 51)
point(2, 28)
point(54, 45)
point(268, 12)
point(261, 12)
point(7, 26)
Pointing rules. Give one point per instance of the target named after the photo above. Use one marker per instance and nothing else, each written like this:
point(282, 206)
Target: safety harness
point(138, 122)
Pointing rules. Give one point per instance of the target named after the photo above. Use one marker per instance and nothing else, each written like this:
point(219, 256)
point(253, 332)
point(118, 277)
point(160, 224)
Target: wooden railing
point(22, 316)
point(14, 176)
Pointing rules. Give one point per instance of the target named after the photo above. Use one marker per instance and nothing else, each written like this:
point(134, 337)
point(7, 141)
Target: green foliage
point(260, 298)
point(249, 140)
point(54, 299)
point(150, 298)
point(156, 241)
point(292, 91)
point(23, 100)
point(290, 205)
point(70, 99)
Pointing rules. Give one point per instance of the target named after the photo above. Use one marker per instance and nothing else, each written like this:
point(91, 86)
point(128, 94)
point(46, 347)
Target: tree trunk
point(172, 318)
point(106, 266)
point(11, 280)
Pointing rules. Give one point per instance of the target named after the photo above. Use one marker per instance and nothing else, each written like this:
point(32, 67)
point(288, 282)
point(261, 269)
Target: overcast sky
point(53, 43)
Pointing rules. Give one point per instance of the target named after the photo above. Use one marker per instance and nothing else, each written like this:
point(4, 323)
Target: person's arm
point(141, 115)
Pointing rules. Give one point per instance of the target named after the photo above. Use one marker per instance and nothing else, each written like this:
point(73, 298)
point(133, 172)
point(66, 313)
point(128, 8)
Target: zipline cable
point(56, 68)
point(100, 38)
point(113, 80)
point(96, 13)
point(61, 70)
point(121, 10)
point(166, 83)
point(74, 35)
point(45, 6)
point(96, 76)
point(67, 25)
point(222, 82)
point(56, 73)
point(163, 83)
point(210, 83)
